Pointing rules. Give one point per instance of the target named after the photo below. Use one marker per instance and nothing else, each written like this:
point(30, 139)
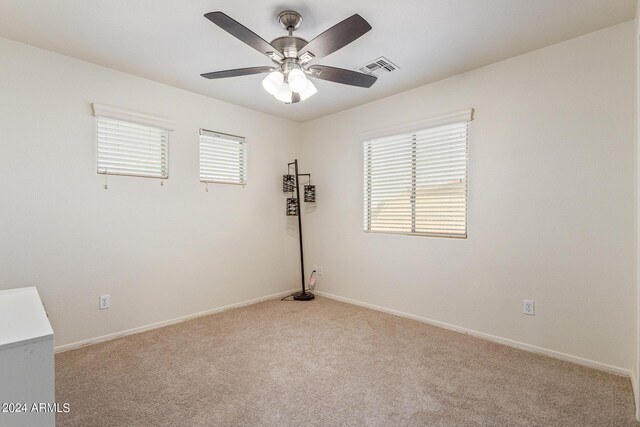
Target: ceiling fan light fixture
point(287, 78)
point(284, 94)
point(273, 82)
point(309, 91)
point(297, 80)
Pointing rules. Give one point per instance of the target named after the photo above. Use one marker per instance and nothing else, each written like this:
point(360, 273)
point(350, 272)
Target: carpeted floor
point(331, 364)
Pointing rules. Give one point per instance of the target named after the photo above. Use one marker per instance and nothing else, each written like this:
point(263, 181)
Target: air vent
point(379, 66)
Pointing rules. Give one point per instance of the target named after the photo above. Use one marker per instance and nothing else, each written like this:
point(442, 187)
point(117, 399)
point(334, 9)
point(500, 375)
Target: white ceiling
point(171, 42)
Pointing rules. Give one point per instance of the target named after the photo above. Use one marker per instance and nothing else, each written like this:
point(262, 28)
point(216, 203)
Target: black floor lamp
point(291, 184)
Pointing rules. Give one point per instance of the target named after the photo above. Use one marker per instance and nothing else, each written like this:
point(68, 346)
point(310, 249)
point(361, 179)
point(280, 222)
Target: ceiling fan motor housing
point(289, 45)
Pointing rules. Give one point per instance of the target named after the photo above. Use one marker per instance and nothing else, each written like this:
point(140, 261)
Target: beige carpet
point(331, 364)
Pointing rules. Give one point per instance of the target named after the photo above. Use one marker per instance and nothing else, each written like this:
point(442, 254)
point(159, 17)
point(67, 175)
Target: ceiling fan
point(287, 80)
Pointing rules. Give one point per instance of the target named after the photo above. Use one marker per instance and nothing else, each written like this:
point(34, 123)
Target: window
point(131, 143)
point(416, 182)
point(223, 158)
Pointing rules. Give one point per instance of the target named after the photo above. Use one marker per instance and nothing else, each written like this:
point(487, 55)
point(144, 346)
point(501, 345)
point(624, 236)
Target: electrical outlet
point(105, 302)
point(318, 269)
point(528, 307)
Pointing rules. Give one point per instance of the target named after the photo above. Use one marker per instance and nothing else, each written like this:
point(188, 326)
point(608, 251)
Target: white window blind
point(416, 182)
point(223, 158)
point(131, 143)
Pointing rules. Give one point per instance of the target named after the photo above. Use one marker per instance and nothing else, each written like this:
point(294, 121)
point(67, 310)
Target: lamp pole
point(303, 295)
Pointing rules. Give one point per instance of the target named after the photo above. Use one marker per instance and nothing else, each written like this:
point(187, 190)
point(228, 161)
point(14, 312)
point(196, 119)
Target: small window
point(128, 146)
point(223, 158)
point(416, 182)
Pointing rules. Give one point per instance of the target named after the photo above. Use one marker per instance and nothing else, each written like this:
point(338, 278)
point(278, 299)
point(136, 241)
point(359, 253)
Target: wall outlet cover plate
point(104, 302)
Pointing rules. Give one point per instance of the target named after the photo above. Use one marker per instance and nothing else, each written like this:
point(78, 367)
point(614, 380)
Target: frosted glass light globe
point(297, 80)
point(284, 94)
point(273, 82)
point(309, 91)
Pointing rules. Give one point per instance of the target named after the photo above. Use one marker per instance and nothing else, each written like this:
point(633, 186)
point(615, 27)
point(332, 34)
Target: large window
point(416, 182)
point(223, 158)
point(131, 143)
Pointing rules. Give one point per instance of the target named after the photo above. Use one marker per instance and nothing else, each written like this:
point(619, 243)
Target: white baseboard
point(489, 337)
point(511, 343)
point(137, 330)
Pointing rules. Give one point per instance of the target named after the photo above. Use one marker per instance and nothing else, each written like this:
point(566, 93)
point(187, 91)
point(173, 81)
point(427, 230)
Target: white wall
point(550, 208)
point(160, 252)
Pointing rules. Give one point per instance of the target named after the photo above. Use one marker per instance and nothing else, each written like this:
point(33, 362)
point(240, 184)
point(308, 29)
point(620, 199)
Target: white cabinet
point(26, 360)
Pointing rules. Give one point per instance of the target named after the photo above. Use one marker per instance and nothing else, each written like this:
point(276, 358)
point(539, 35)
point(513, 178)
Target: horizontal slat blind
point(416, 183)
point(126, 148)
point(223, 158)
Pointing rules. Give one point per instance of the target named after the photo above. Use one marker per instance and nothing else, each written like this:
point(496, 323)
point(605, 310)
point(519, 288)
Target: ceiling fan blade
point(340, 75)
point(237, 72)
point(336, 37)
point(244, 34)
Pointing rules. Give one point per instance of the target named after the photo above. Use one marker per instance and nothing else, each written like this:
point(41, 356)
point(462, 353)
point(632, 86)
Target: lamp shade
point(309, 193)
point(292, 206)
point(297, 80)
point(284, 94)
point(288, 183)
point(309, 91)
point(273, 82)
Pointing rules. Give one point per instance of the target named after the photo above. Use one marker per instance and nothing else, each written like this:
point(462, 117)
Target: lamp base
point(303, 296)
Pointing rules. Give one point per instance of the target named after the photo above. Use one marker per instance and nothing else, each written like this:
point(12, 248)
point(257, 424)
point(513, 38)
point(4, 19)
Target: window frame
point(136, 118)
point(245, 158)
point(413, 128)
